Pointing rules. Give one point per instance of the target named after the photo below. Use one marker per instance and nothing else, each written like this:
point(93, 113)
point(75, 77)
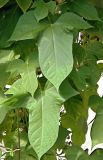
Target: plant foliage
point(48, 57)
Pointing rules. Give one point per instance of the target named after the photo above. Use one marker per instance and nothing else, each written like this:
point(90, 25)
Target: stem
point(18, 135)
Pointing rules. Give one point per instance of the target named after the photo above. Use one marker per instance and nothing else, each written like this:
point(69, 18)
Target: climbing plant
point(49, 51)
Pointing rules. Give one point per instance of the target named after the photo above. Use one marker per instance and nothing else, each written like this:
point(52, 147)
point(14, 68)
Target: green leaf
point(5, 75)
point(62, 135)
point(4, 111)
point(76, 153)
point(27, 49)
point(96, 132)
point(77, 80)
point(96, 155)
point(71, 20)
point(66, 90)
point(8, 21)
point(21, 101)
point(77, 126)
point(41, 10)
point(27, 82)
point(24, 4)
point(49, 156)
point(51, 5)
point(16, 65)
point(6, 55)
point(85, 9)
point(95, 101)
point(94, 49)
point(75, 118)
point(3, 2)
point(79, 54)
point(98, 3)
point(55, 54)
point(25, 156)
point(27, 27)
point(44, 121)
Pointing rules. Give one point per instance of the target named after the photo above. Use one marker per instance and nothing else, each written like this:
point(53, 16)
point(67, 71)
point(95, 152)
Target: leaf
point(27, 49)
point(75, 118)
point(98, 4)
point(76, 153)
point(51, 5)
point(49, 156)
point(5, 75)
point(55, 54)
point(25, 156)
point(24, 4)
point(77, 80)
point(16, 65)
point(85, 9)
point(21, 101)
point(41, 10)
point(27, 27)
point(4, 111)
point(95, 101)
point(27, 82)
point(71, 20)
point(44, 121)
point(30, 80)
point(96, 132)
point(66, 90)
point(79, 54)
point(77, 127)
point(8, 21)
point(62, 135)
point(6, 55)
point(96, 155)
point(94, 49)
point(3, 2)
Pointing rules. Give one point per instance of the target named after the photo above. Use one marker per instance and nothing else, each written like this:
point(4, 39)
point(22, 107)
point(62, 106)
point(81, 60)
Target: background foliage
point(48, 57)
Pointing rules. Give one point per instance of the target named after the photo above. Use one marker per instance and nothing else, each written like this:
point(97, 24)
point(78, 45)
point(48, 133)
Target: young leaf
point(51, 5)
point(24, 4)
point(44, 121)
point(41, 10)
point(54, 44)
